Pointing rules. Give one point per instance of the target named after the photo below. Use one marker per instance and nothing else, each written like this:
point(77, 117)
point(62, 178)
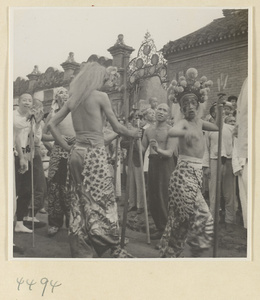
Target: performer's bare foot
point(29, 219)
point(19, 227)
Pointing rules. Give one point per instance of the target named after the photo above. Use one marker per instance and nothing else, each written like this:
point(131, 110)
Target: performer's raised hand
point(221, 98)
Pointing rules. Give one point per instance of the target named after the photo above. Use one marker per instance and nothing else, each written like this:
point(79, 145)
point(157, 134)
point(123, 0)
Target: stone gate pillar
point(33, 78)
point(69, 67)
point(121, 56)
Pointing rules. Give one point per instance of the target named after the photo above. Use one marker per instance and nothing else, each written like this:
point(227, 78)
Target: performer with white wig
point(93, 211)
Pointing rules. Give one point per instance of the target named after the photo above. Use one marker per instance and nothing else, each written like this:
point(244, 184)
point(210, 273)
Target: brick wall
point(233, 62)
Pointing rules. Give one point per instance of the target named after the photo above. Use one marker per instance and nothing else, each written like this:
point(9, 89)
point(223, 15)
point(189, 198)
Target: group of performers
point(80, 185)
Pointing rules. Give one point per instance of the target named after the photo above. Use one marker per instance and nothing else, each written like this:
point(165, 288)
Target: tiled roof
point(233, 24)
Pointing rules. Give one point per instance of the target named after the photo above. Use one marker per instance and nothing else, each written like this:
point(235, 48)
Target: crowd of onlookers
point(48, 162)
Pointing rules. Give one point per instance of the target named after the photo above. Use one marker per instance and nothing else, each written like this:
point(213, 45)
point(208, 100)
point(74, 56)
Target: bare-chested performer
point(58, 200)
point(93, 214)
point(161, 166)
point(189, 216)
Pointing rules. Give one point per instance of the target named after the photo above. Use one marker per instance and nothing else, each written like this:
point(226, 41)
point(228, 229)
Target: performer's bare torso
point(193, 146)
point(66, 126)
point(89, 116)
point(160, 134)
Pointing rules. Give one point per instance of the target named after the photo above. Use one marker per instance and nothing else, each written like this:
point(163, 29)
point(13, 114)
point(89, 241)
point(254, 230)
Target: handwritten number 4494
point(44, 282)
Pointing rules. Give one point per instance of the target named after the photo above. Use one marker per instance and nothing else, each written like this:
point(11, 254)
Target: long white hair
point(90, 78)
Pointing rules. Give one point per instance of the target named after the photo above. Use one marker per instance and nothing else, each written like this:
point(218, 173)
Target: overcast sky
point(45, 36)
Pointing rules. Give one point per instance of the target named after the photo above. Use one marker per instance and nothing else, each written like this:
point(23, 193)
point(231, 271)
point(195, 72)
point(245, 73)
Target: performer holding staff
point(93, 213)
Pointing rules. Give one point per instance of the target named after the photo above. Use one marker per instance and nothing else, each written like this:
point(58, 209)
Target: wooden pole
point(218, 188)
point(130, 154)
point(130, 169)
point(143, 188)
point(32, 181)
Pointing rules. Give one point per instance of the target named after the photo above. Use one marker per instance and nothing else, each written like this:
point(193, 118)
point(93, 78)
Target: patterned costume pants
point(189, 219)
point(93, 212)
point(58, 199)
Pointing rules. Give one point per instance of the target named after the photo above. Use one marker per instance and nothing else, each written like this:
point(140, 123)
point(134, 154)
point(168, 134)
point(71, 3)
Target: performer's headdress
point(189, 84)
point(54, 104)
point(112, 76)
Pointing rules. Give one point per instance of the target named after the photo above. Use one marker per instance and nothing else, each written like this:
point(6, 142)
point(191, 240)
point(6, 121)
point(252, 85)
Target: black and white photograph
point(130, 133)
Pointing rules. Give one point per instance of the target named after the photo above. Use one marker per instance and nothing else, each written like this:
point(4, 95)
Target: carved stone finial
point(120, 40)
point(36, 70)
point(70, 57)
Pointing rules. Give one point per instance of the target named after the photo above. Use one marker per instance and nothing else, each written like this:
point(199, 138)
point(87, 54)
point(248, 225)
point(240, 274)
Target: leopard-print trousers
point(93, 209)
point(189, 218)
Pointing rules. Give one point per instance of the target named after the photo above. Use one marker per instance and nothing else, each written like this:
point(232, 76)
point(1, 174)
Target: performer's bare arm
point(145, 141)
point(109, 137)
point(209, 126)
point(178, 130)
point(52, 126)
point(46, 136)
point(117, 127)
point(214, 126)
point(170, 146)
point(22, 160)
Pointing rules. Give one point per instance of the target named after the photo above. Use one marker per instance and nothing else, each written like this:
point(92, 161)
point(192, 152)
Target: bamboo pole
point(32, 181)
point(143, 188)
point(130, 163)
point(218, 188)
point(130, 155)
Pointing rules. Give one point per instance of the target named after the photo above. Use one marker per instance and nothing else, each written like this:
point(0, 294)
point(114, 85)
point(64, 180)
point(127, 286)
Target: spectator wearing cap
point(227, 109)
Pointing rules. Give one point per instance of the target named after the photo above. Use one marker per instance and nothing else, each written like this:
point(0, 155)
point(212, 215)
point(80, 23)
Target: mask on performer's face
point(189, 106)
point(62, 97)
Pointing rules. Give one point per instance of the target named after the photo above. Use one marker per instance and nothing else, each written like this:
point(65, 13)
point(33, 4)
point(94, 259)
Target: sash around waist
point(193, 161)
point(89, 138)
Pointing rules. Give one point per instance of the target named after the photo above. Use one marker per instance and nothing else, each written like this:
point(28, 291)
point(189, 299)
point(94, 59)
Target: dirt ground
point(232, 243)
